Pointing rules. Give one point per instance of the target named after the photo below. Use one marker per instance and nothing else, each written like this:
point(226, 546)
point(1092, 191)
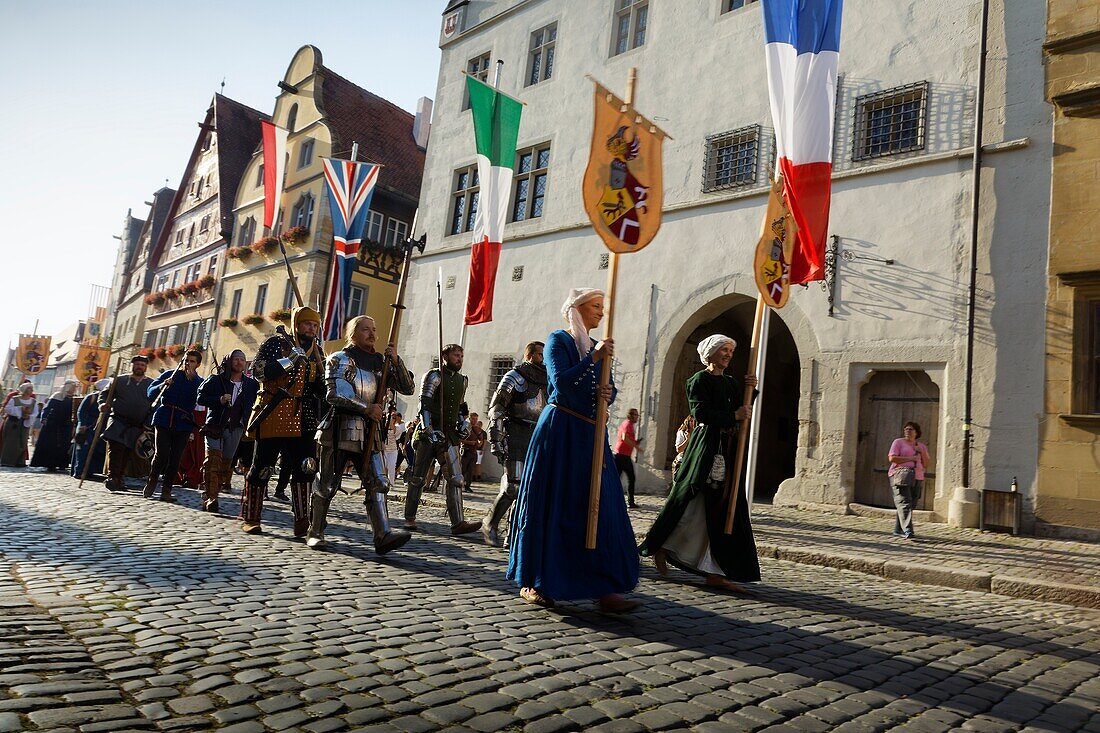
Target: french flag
point(802, 53)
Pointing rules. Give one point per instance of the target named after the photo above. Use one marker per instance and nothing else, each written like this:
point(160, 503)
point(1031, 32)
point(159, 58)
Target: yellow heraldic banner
point(32, 354)
point(91, 363)
point(623, 191)
point(772, 265)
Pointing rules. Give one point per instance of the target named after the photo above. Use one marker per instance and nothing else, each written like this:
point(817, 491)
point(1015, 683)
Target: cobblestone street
point(120, 613)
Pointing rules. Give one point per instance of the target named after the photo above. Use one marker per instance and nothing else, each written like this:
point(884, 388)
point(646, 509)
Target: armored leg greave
point(386, 539)
point(509, 486)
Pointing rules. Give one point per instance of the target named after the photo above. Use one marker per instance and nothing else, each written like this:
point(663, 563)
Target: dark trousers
point(169, 452)
point(625, 464)
point(293, 451)
point(469, 464)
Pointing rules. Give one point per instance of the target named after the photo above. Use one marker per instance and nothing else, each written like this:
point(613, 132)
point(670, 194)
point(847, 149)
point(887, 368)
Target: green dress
point(691, 526)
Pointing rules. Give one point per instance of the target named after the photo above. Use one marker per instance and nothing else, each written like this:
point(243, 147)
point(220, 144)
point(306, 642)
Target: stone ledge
point(878, 512)
point(946, 577)
point(1041, 590)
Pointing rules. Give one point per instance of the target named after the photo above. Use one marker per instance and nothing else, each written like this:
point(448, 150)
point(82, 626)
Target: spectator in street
point(909, 459)
point(624, 452)
point(391, 450)
point(173, 421)
point(54, 443)
point(20, 413)
point(683, 435)
point(471, 444)
point(480, 427)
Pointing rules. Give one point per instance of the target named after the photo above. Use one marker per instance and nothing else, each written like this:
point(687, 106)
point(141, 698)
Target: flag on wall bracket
point(350, 188)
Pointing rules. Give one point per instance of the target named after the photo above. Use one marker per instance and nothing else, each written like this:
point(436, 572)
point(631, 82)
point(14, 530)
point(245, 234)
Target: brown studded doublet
point(296, 414)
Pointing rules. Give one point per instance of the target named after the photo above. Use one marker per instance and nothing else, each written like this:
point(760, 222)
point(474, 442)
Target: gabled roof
point(383, 130)
point(238, 131)
point(158, 216)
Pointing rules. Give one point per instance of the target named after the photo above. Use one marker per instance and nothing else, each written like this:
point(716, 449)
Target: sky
point(102, 102)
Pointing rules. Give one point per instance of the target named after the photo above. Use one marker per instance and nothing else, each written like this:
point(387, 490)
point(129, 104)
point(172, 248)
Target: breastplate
point(353, 383)
point(529, 405)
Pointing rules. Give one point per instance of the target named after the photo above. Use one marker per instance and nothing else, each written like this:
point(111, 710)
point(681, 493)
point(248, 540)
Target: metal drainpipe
point(976, 170)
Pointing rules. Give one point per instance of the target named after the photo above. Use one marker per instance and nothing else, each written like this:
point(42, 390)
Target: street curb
point(909, 572)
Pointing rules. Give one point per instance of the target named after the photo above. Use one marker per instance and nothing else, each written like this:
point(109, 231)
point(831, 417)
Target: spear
point(100, 422)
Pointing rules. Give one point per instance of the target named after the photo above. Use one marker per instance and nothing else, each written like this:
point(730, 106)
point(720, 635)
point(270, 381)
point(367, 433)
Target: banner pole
point(605, 373)
point(752, 460)
point(100, 422)
point(733, 480)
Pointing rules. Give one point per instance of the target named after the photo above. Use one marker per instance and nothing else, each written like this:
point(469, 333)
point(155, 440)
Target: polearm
point(439, 308)
point(100, 422)
point(395, 320)
point(605, 375)
point(733, 480)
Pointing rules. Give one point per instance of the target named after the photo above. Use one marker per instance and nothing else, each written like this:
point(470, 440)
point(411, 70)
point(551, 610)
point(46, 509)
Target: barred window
point(477, 67)
point(540, 65)
point(464, 200)
point(631, 21)
point(890, 122)
point(532, 166)
point(499, 365)
point(731, 159)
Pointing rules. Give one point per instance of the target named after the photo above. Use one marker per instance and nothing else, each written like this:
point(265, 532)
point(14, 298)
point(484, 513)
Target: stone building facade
point(883, 342)
point(326, 115)
point(1068, 492)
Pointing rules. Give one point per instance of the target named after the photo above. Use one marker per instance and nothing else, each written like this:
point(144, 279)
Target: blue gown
point(551, 513)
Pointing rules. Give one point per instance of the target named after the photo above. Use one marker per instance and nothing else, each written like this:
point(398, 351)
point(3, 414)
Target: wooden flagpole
point(733, 480)
point(100, 422)
point(605, 373)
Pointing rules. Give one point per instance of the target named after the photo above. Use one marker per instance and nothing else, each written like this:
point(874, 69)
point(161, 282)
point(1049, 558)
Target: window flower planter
point(239, 253)
point(280, 315)
point(176, 350)
point(267, 245)
point(254, 319)
point(160, 352)
point(228, 322)
point(206, 281)
point(190, 288)
point(295, 235)
point(156, 298)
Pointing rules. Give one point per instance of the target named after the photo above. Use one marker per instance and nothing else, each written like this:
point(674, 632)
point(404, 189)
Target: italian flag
point(496, 127)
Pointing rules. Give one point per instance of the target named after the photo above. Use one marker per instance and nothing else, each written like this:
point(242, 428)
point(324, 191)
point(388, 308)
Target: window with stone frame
point(499, 365)
point(631, 23)
point(890, 122)
point(731, 159)
point(289, 301)
point(212, 268)
point(260, 174)
point(204, 225)
point(261, 298)
point(1085, 395)
point(235, 306)
point(540, 57)
point(305, 153)
point(529, 187)
point(247, 233)
point(477, 67)
point(301, 215)
point(464, 198)
point(731, 5)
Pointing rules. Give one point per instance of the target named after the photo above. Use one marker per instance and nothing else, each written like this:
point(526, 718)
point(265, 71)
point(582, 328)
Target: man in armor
point(513, 412)
point(350, 431)
point(290, 370)
point(443, 424)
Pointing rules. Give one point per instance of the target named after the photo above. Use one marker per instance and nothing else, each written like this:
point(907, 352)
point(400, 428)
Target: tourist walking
point(909, 459)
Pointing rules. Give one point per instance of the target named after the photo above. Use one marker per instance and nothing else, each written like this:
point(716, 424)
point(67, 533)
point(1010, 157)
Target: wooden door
point(887, 402)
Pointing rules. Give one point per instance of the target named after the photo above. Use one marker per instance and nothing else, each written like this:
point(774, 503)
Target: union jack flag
point(350, 186)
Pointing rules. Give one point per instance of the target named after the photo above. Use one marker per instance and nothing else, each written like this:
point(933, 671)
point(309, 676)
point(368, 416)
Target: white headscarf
point(709, 346)
point(573, 320)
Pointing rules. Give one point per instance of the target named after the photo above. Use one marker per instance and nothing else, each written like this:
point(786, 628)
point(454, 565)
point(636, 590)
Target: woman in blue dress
point(547, 557)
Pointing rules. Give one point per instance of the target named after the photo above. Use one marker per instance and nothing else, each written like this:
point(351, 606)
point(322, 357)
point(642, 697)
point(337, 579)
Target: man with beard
point(513, 412)
point(443, 425)
point(228, 396)
point(284, 420)
point(129, 407)
point(351, 431)
point(173, 421)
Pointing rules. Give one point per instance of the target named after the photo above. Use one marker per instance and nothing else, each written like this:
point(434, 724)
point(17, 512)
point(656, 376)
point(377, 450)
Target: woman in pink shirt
point(908, 460)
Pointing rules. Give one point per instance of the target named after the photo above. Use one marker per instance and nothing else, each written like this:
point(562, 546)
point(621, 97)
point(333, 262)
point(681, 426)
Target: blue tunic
point(551, 514)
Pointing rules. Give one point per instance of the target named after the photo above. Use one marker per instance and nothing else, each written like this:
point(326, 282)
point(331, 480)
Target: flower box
point(176, 350)
point(266, 245)
point(280, 314)
point(190, 288)
point(156, 298)
point(206, 281)
point(253, 319)
point(172, 294)
point(228, 322)
point(239, 253)
point(160, 352)
point(295, 235)
point(146, 351)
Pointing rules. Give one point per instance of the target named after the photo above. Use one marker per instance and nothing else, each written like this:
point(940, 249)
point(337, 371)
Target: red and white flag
point(802, 53)
point(274, 169)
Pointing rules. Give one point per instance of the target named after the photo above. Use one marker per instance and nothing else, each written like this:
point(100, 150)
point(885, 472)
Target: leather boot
point(150, 486)
point(299, 501)
point(386, 539)
point(252, 506)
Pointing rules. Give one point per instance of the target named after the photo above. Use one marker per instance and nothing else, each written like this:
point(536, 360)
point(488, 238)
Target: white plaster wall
point(702, 73)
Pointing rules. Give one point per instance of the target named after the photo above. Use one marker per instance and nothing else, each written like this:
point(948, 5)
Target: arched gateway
point(732, 314)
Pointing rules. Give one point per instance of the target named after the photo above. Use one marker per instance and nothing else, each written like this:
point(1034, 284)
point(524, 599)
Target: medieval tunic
point(551, 513)
point(130, 405)
point(86, 417)
point(691, 526)
point(16, 431)
point(51, 450)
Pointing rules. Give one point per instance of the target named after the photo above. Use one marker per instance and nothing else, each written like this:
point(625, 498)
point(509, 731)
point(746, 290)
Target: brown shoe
point(660, 560)
point(615, 603)
point(250, 528)
point(532, 596)
point(465, 528)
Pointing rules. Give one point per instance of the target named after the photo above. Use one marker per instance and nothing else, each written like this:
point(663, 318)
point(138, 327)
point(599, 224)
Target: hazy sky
point(102, 104)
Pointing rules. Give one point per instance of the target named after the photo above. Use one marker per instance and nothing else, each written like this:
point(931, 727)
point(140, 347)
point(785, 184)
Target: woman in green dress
point(690, 530)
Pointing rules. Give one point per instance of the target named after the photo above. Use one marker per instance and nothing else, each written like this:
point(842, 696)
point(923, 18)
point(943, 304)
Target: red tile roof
point(383, 130)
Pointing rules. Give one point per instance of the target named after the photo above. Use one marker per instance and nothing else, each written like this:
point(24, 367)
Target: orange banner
point(623, 191)
point(772, 266)
point(32, 354)
point(91, 363)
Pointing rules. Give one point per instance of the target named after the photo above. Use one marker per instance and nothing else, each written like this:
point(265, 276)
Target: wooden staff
point(733, 480)
point(605, 373)
point(100, 422)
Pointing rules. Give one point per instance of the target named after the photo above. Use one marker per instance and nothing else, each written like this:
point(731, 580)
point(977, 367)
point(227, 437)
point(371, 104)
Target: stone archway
point(780, 400)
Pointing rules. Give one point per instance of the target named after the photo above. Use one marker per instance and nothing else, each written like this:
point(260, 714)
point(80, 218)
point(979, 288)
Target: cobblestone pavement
point(120, 613)
point(1022, 567)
